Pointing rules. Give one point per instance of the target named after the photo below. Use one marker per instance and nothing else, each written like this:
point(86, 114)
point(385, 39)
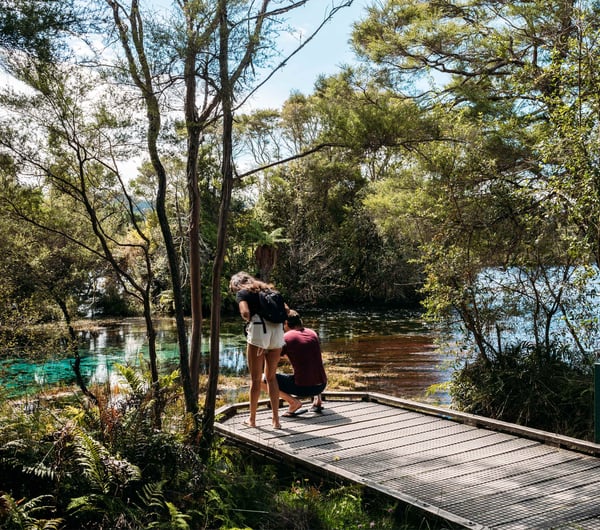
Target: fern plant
point(160, 512)
point(104, 472)
point(28, 515)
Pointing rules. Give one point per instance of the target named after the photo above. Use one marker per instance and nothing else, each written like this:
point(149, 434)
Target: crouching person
point(303, 350)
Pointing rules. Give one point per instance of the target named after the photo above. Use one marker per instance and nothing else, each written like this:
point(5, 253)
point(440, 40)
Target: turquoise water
point(101, 349)
point(390, 351)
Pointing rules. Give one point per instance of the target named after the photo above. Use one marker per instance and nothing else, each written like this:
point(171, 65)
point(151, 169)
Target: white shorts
point(271, 339)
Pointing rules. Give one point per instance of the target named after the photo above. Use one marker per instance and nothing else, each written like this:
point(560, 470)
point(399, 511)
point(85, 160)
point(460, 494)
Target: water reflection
point(392, 352)
point(387, 351)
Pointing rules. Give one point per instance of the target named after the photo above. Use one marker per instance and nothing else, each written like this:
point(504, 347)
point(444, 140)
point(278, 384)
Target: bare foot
point(249, 423)
point(297, 406)
point(276, 425)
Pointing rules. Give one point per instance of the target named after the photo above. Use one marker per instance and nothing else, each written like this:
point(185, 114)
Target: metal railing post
point(597, 402)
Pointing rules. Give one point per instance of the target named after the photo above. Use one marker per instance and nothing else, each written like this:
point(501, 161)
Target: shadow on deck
point(474, 471)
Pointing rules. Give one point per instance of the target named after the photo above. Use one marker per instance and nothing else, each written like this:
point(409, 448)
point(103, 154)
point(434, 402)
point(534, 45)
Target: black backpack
point(272, 307)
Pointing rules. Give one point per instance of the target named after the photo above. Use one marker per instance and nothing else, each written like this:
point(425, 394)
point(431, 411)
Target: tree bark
point(193, 147)
point(226, 190)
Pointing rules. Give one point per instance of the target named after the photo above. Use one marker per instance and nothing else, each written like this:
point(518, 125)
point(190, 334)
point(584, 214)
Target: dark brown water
point(391, 352)
point(400, 366)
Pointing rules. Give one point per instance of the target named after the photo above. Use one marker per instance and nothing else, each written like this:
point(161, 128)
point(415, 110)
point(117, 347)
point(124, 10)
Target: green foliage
point(529, 385)
point(249, 493)
point(161, 513)
point(508, 189)
point(68, 475)
point(99, 468)
point(28, 515)
point(341, 507)
point(333, 252)
point(35, 27)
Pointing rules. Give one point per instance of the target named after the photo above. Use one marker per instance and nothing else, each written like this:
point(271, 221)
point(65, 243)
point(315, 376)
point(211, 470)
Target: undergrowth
point(66, 464)
point(541, 388)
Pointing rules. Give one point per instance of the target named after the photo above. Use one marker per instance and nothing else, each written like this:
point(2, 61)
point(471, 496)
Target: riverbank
point(235, 389)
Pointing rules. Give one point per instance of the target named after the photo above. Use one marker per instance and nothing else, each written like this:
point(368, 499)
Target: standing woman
point(265, 341)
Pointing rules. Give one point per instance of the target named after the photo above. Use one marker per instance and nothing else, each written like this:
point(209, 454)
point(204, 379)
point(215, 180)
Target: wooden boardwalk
point(470, 470)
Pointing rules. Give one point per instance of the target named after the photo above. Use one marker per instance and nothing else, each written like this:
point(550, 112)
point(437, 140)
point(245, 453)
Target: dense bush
point(532, 386)
point(67, 465)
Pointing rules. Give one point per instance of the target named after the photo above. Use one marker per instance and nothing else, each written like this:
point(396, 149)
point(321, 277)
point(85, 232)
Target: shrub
point(532, 386)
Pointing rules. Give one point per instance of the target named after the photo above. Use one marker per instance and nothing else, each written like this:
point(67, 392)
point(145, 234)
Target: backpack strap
point(264, 325)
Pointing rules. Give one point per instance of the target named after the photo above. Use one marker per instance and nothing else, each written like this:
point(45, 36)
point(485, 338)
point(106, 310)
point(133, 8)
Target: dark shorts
point(288, 385)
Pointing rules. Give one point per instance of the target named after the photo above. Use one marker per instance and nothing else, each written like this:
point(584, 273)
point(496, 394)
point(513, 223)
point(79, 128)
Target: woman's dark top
point(251, 298)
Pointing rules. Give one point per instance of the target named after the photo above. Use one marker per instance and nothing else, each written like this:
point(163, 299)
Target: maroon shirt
point(303, 349)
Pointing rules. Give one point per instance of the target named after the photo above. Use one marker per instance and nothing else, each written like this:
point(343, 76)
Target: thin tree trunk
point(133, 46)
point(76, 365)
point(191, 403)
point(151, 335)
point(227, 186)
point(193, 147)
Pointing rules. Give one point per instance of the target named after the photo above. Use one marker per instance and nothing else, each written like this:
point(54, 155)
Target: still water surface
point(392, 351)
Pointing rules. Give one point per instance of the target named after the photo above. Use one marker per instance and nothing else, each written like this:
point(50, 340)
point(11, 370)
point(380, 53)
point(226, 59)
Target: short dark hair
point(293, 319)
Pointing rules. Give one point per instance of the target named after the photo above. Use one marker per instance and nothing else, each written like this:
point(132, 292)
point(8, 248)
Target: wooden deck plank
point(580, 521)
point(479, 460)
point(565, 508)
point(411, 450)
point(568, 492)
point(528, 483)
point(479, 483)
point(371, 437)
point(458, 466)
point(483, 470)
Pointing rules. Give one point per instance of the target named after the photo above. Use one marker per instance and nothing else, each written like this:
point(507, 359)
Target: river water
point(392, 352)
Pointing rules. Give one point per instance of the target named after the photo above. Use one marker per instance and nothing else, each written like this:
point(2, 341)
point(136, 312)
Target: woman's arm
point(244, 310)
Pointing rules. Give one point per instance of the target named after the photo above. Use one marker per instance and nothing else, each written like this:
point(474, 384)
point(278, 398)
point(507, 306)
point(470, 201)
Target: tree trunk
point(151, 334)
point(132, 40)
point(266, 258)
point(191, 403)
point(227, 186)
point(193, 147)
point(75, 350)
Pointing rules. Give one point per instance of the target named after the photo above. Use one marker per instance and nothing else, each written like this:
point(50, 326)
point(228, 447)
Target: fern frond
point(177, 519)
point(152, 497)
point(14, 446)
point(170, 381)
point(103, 470)
point(77, 503)
point(90, 456)
point(41, 471)
point(134, 379)
point(76, 414)
point(25, 514)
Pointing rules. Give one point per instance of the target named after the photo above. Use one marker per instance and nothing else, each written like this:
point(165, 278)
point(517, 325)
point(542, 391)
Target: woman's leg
point(255, 367)
point(272, 358)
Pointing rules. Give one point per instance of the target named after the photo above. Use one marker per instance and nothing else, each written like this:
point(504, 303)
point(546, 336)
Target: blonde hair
point(243, 280)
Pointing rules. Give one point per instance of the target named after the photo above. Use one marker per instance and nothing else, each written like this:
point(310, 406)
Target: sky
point(325, 54)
